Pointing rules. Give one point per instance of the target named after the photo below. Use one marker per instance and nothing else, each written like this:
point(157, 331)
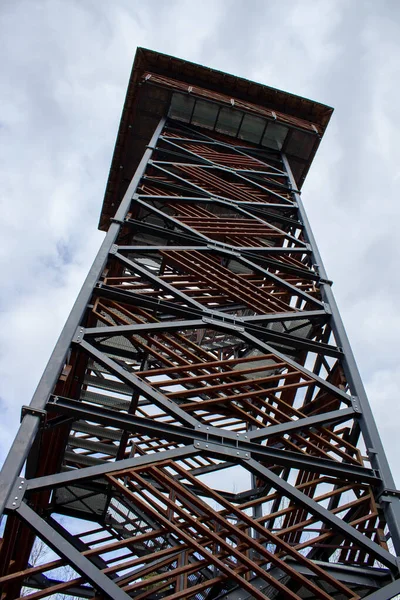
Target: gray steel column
point(31, 420)
point(374, 447)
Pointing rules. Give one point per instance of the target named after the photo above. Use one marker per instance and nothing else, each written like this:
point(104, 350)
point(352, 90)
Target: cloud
point(65, 67)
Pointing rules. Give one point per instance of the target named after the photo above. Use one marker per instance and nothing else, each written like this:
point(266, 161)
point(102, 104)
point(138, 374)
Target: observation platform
point(162, 85)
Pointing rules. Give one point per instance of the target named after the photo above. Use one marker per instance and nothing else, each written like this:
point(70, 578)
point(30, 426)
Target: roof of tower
point(160, 84)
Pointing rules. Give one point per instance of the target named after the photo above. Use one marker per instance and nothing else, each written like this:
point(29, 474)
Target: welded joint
point(17, 494)
point(118, 221)
point(355, 403)
point(114, 249)
point(78, 337)
point(34, 412)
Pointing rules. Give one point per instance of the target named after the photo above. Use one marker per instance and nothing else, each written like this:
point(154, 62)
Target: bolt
point(206, 445)
point(238, 453)
point(20, 487)
point(14, 504)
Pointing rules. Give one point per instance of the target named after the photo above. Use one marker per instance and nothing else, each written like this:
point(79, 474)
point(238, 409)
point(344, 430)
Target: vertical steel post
point(374, 446)
point(30, 422)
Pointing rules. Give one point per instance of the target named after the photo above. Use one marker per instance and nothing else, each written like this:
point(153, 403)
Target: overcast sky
point(65, 66)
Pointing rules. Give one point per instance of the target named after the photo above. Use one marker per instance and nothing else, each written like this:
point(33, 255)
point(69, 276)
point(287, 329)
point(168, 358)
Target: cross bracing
point(201, 430)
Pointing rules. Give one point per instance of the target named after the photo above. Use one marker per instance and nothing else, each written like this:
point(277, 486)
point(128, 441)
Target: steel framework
point(201, 430)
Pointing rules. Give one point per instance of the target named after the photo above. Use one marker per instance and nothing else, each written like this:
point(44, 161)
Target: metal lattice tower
point(201, 430)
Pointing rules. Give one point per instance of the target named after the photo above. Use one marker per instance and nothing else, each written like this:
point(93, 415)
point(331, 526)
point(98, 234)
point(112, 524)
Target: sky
point(65, 66)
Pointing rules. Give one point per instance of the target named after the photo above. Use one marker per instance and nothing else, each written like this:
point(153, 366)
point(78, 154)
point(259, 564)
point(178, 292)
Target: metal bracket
point(228, 324)
point(323, 281)
point(236, 327)
point(230, 452)
point(327, 308)
point(17, 494)
point(225, 437)
point(118, 221)
point(78, 337)
point(356, 404)
point(388, 494)
point(113, 249)
point(35, 412)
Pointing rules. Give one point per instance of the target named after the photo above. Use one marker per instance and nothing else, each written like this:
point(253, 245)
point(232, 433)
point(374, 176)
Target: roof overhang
point(156, 78)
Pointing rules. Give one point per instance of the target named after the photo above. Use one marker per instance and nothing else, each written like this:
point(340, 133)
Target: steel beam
point(215, 441)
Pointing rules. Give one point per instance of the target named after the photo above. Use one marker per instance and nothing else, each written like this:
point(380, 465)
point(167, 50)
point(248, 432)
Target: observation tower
point(201, 430)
